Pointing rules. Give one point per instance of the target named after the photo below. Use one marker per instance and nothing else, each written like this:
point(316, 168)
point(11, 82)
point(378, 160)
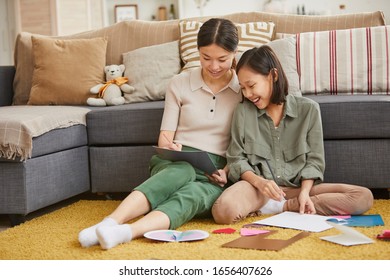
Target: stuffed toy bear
point(110, 93)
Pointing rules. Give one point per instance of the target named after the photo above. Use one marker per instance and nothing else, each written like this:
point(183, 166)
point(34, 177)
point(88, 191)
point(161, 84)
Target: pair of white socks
point(108, 233)
point(273, 207)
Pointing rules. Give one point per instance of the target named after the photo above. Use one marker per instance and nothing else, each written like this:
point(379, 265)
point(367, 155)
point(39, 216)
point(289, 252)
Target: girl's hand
point(219, 178)
point(306, 206)
point(272, 190)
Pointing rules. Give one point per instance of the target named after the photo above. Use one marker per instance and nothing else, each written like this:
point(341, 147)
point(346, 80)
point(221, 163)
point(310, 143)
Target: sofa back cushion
point(66, 70)
point(129, 35)
point(345, 61)
point(122, 37)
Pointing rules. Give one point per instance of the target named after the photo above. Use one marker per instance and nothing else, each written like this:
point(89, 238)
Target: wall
point(146, 8)
point(188, 8)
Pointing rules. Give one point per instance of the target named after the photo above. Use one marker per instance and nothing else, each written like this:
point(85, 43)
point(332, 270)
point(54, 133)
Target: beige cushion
point(251, 34)
point(149, 70)
point(344, 61)
point(286, 52)
point(65, 70)
point(129, 35)
point(122, 37)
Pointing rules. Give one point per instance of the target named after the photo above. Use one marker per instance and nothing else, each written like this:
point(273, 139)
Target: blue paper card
point(359, 221)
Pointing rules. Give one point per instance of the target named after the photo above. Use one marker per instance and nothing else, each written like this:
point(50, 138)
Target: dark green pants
point(180, 190)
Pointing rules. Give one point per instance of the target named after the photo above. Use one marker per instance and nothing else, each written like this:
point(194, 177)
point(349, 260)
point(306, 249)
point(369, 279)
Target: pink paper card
point(341, 217)
point(252, 231)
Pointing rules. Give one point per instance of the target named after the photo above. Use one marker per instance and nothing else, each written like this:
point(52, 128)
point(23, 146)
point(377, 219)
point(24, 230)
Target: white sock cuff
point(273, 207)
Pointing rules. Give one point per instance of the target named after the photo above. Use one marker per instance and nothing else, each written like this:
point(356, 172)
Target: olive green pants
point(179, 190)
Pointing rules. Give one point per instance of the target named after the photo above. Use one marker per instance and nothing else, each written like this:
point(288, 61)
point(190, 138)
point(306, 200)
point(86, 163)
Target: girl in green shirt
point(276, 154)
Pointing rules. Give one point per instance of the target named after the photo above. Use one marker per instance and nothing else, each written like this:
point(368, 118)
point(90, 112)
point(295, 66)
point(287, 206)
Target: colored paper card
point(225, 230)
point(252, 231)
point(176, 236)
point(306, 222)
point(360, 221)
point(341, 217)
point(260, 242)
point(348, 237)
point(385, 235)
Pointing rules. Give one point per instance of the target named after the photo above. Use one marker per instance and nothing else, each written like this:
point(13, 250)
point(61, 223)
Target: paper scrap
point(348, 237)
point(225, 230)
point(306, 222)
point(260, 242)
point(252, 231)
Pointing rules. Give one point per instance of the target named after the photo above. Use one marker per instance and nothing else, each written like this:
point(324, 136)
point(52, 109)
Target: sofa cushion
point(66, 70)
point(149, 69)
point(354, 116)
point(129, 124)
point(251, 34)
point(129, 35)
point(345, 61)
point(122, 37)
point(286, 52)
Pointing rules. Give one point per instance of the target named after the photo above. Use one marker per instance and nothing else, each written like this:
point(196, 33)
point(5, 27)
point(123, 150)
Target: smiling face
point(256, 87)
point(216, 62)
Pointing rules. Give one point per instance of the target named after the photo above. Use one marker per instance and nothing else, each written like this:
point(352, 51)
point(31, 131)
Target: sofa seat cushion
point(20, 124)
point(129, 124)
point(354, 116)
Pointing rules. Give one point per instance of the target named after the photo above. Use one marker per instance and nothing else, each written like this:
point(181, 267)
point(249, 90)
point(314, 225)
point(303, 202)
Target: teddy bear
point(110, 93)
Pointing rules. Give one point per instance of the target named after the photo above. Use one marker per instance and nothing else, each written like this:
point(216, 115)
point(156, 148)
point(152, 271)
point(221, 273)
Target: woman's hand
point(165, 140)
point(219, 178)
point(174, 146)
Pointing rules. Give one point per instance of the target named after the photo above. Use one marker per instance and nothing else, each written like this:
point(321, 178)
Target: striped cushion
point(344, 61)
point(251, 34)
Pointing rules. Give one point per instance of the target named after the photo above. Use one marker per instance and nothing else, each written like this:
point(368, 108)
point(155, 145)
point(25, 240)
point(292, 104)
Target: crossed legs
point(242, 199)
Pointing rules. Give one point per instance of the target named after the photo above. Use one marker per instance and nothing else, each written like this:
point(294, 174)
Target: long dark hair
point(221, 32)
point(264, 61)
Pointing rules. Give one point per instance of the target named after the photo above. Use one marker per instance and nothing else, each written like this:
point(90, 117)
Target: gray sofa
point(111, 153)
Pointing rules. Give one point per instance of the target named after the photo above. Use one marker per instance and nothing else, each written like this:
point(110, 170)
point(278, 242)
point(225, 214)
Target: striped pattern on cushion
point(344, 61)
point(251, 34)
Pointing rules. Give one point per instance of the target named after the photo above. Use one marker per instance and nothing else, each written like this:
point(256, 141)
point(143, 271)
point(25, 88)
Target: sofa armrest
point(7, 74)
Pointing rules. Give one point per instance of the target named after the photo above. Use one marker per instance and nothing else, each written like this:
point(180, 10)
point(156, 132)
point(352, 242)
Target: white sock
point(88, 237)
point(272, 207)
point(111, 236)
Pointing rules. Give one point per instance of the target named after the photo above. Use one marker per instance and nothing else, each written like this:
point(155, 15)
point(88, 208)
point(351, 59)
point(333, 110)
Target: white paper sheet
point(348, 237)
point(306, 222)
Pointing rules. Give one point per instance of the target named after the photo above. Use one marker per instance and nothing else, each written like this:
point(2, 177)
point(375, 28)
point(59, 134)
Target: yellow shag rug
point(54, 237)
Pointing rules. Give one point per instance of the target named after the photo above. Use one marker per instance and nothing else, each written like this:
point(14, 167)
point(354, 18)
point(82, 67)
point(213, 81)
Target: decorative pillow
point(344, 61)
point(285, 49)
point(65, 70)
point(251, 34)
point(142, 33)
point(149, 70)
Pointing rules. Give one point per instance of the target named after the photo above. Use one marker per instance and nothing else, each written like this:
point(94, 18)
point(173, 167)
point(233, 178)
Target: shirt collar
point(290, 108)
point(197, 82)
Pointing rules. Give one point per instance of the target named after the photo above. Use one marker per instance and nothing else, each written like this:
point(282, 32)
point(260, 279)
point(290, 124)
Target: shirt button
point(213, 97)
point(211, 110)
point(278, 176)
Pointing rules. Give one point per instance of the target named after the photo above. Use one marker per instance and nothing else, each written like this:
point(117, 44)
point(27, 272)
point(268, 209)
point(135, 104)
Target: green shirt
point(294, 150)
